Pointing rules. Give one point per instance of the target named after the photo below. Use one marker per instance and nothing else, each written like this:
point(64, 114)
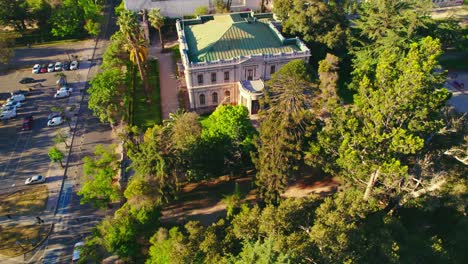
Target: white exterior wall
point(260, 67)
point(179, 8)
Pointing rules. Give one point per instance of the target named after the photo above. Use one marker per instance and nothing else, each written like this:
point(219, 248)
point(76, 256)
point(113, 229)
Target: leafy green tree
point(321, 25)
point(179, 245)
point(61, 138)
point(114, 56)
point(448, 31)
point(162, 160)
point(66, 21)
point(200, 11)
point(14, 13)
point(261, 252)
point(386, 25)
point(163, 244)
point(392, 119)
point(100, 171)
point(283, 129)
point(347, 230)
point(228, 137)
point(107, 94)
point(233, 201)
point(156, 20)
point(328, 76)
point(92, 15)
point(56, 155)
point(7, 42)
point(40, 11)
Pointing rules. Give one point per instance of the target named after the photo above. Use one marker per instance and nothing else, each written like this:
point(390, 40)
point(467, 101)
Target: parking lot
point(24, 153)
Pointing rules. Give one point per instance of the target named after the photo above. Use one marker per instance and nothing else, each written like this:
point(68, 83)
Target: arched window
point(202, 99)
point(215, 97)
point(227, 96)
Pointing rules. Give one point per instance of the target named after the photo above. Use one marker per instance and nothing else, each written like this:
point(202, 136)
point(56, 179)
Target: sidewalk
point(167, 78)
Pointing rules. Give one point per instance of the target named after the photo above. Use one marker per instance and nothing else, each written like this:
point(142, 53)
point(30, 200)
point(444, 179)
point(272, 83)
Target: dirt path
point(203, 201)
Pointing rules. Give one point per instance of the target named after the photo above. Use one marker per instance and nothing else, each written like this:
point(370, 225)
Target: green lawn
point(147, 115)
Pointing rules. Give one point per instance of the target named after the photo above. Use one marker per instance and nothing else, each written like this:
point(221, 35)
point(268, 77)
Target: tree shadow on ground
point(203, 201)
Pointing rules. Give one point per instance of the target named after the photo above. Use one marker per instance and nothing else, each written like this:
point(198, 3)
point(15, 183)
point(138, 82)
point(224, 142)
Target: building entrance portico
point(249, 94)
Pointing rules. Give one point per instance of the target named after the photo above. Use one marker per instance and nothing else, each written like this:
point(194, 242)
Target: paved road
point(75, 221)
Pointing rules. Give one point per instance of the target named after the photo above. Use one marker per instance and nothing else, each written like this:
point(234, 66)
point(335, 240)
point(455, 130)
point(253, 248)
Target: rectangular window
point(272, 69)
point(213, 77)
point(250, 74)
point(200, 78)
point(226, 76)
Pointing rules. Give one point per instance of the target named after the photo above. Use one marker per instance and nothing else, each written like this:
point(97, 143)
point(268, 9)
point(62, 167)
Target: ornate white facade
point(228, 81)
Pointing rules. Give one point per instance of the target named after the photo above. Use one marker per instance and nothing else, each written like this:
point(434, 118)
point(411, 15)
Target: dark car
point(27, 123)
point(23, 92)
point(66, 66)
point(26, 80)
point(43, 68)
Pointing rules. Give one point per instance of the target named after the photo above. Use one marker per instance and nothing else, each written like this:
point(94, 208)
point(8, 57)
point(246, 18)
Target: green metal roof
point(229, 36)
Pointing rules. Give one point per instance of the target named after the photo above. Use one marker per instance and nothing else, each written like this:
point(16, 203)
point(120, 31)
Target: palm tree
point(135, 43)
point(156, 20)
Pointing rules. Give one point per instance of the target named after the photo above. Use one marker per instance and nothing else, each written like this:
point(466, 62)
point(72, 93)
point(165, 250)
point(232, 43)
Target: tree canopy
point(99, 185)
point(107, 94)
point(284, 128)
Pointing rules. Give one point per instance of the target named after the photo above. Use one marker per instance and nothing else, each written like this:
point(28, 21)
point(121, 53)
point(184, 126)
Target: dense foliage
point(62, 18)
point(398, 149)
point(99, 182)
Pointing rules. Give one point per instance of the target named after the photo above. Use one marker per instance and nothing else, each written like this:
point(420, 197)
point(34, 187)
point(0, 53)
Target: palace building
point(226, 58)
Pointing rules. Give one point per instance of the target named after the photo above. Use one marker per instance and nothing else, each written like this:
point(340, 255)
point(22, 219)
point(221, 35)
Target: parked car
point(35, 179)
point(51, 67)
point(36, 68)
point(74, 65)
point(61, 94)
point(53, 115)
point(17, 97)
point(56, 121)
point(66, 66)
point(23, 92)
point(27, 80)
point(43, 68)
point(58, 66)
point(27, 123)
point(66, 88)
point(14, 104)
point(76, 251)
point(5, 108)
point(8, 114)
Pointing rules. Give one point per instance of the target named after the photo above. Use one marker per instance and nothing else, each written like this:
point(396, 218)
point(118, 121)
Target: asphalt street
point(73, 220)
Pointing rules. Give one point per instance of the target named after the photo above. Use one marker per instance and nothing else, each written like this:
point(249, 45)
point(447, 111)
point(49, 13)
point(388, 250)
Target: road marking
point(22, 154)
point(12, 152)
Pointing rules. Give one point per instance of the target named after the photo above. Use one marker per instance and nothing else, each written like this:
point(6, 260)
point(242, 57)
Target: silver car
point(74, 65)
point(56, 121)
point(35, 179)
